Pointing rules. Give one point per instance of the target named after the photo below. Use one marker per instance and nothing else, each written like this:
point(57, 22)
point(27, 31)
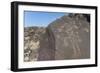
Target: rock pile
point(32, 36)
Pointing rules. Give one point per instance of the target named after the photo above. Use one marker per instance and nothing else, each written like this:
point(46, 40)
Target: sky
point(41, 19)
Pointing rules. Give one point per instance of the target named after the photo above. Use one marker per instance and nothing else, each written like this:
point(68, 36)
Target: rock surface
point(47, 47)
point(65, 38)
point(72, 37)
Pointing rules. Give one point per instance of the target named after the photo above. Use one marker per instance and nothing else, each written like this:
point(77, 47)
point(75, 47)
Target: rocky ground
point(65, 38)
point(32, 37)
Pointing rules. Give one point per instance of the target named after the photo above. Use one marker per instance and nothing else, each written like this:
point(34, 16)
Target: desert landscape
point(66, 38)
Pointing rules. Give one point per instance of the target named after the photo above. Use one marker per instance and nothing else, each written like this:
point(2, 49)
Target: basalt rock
point(47, 47)
point(72, 37)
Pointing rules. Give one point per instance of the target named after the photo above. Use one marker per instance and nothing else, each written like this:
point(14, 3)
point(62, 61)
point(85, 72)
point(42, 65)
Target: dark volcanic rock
point(47, 47)
point(71, 37)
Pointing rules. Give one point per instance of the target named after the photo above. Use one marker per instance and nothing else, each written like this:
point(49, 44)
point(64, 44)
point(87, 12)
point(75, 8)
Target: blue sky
point(41, 19)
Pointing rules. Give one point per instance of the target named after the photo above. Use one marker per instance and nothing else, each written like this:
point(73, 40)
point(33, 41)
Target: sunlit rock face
point(65, 38)
point(72, 37)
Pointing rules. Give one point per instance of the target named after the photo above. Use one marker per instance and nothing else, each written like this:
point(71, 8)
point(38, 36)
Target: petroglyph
point(71, 35)
point(74, 38)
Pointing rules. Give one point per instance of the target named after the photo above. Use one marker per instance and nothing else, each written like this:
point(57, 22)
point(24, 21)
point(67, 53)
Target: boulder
point(72, 37)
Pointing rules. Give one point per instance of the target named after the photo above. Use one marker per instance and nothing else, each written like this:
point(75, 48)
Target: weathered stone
point(71, 37)
point(47, 47)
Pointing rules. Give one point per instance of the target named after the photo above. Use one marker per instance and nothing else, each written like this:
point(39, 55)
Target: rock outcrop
point(65, 38)
point(72, 37)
